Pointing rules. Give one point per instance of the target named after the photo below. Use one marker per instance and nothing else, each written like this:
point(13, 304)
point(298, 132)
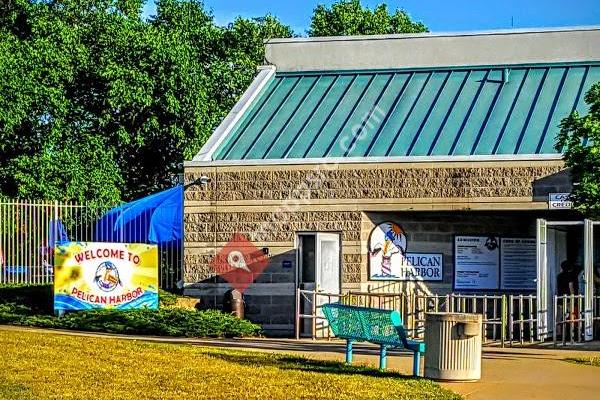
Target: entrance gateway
point(559, 241)
point(318, 270)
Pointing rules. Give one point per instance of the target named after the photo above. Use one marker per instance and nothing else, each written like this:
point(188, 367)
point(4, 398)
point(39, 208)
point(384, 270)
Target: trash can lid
point(453, 317)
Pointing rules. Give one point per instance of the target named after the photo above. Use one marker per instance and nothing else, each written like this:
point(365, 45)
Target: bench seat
point(363, 324)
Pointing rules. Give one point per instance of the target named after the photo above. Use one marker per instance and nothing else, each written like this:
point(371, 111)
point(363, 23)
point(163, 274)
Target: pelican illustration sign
point(390, 260)
point(105, 275)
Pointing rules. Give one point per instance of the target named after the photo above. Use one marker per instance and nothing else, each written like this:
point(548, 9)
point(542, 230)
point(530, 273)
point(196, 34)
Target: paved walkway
point(509, 373)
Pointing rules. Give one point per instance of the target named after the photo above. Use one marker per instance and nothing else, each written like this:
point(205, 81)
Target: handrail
point(511, 318)
point(310, 296)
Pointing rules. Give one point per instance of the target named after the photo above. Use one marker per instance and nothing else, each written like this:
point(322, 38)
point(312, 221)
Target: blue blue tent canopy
point(157, 218)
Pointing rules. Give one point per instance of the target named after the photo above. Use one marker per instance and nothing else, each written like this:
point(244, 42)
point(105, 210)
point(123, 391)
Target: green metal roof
point(424, 112)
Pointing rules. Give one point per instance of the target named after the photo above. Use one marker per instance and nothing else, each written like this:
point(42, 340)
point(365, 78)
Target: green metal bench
point(382, 327)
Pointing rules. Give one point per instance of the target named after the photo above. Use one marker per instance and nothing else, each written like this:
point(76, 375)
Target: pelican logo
point(389, 259)
point(491, 243)
point(107, 276)
point(387, 240)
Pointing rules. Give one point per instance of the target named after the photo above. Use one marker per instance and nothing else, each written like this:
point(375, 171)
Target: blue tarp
point(157, 218)
point(56, 233)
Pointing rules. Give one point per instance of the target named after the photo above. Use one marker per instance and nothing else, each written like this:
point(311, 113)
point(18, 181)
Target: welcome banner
point(90, 275)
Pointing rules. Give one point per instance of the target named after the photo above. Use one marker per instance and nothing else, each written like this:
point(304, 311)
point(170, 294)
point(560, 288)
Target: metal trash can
point(233, 303)
point(453, 346)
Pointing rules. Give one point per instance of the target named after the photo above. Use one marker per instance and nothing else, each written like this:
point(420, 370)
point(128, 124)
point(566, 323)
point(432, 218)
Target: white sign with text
point(476, 262)
point(413, 267)
point(519, 263)
point(560, 201)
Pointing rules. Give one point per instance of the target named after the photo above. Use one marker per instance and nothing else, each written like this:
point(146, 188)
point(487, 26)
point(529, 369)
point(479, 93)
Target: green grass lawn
point(41, 365)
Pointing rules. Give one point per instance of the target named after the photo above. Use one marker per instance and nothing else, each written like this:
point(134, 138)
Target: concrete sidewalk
point(507, 373)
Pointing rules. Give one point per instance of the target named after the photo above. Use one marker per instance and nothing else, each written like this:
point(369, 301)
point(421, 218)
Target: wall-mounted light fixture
point(203, 180)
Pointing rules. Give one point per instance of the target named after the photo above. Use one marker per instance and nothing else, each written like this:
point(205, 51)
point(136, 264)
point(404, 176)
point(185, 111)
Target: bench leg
point(416, 363)
point(349, 351)
point(382, 357)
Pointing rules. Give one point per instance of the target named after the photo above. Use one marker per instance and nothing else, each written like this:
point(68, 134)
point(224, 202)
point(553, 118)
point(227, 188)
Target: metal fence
point(30, 229)
point(491, 307)
point(596, 316)
point(506, 318)
point(412, 308)
point(309, 317)
point(568, 319)
point(522, 318)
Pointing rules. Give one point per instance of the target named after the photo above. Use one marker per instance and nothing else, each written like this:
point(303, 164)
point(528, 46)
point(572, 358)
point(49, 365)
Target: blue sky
point(438, 15)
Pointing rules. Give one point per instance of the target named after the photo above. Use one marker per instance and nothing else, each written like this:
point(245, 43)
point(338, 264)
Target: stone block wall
point(368, 182)
point(270, 204)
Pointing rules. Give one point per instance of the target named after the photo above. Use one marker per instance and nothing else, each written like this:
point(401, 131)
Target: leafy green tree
point(579, 139)
point(48, 147)
point(349, 17)
point(97, 103)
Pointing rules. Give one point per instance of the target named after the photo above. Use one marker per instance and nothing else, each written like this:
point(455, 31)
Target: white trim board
point(514, 31)
point(435, 50)
point(376, 160)
point(264, 75)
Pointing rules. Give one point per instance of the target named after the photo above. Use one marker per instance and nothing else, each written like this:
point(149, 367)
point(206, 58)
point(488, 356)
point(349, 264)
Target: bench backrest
point(368, 324)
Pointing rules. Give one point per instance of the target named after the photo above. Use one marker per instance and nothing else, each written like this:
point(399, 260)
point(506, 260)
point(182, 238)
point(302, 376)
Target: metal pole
point(521, 327)
point(503, 320)
point(314, 315)
point(555, 320)
point(297, 327)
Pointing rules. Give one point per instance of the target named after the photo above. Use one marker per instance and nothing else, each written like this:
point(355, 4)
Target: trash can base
point(453, 342)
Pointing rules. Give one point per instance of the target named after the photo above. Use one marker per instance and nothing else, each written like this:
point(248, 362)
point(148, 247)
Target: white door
point(551, 252)
point(328, 275)
point(319, 271)
point(328, 263)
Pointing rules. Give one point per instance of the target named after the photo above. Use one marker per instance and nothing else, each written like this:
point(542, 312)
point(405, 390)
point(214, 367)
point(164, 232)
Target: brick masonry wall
point(270, 300)
point(263, 228)
point(323, 182)
point(270, 204)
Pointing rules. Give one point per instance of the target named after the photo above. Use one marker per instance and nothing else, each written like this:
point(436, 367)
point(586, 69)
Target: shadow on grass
point(589, 361)
point(304, 364)
point(14, 391)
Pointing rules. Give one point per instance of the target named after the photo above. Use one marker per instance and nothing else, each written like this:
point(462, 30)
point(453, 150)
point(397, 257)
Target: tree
point(349, 17)
point(579, 139)
point(98, 104)
point(48, 145)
